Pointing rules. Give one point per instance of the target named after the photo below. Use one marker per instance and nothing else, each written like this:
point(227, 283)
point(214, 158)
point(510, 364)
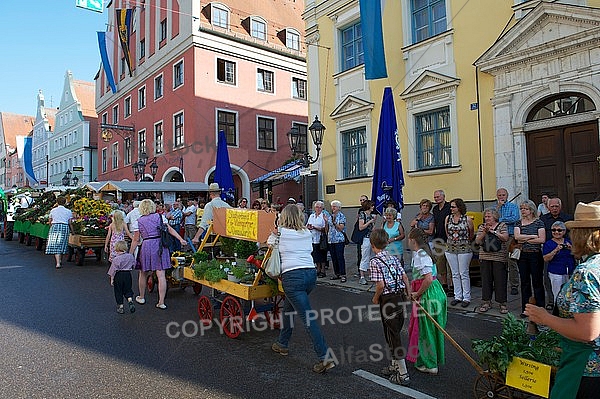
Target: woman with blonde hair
point(116, 232)
point(298, 278)
point(152, 255)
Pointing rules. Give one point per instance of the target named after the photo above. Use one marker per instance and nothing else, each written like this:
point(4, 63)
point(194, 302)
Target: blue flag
point(388, 177)
point(106, 61)
point(27, 160)
point(223, 174)
point(372, 39)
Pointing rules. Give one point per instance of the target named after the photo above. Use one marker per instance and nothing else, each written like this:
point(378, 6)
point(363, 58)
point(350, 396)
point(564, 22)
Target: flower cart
point(174, 276)
point(254, 295)
point(88, 228)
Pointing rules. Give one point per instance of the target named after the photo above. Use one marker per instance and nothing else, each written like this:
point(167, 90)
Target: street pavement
point(62, 338)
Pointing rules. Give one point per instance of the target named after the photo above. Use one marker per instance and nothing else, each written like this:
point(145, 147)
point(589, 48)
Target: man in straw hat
point(214, 193)
point(578, 305)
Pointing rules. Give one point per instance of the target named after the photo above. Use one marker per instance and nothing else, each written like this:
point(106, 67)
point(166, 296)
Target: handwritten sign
point(529, 376)
point(241, 223)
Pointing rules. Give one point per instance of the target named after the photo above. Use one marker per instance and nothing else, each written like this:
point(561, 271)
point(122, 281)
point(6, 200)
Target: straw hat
point(214, 188)
point(586, 216)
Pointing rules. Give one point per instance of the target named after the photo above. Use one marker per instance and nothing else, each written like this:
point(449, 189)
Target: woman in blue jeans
point(298, 278)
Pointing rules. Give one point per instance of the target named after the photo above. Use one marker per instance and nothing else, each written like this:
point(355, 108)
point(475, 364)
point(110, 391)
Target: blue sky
point(41, 40)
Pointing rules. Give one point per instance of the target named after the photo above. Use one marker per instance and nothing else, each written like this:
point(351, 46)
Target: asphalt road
point(62, 338)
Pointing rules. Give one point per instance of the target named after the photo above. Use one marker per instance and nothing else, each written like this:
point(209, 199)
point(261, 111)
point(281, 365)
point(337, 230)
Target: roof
point(146, 186)
point(14, 125)
point(280, 175)
point(86, 95)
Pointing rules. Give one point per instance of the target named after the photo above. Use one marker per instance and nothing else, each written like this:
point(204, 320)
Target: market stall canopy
point(95, 186)
point(159, 186)
point(289, 171)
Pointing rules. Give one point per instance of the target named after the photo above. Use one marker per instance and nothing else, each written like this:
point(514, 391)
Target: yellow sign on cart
point(241, 223)
point(529, 376)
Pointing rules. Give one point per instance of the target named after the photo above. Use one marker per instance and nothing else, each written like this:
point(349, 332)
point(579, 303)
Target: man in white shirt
point(214, 193)
point(132, 221)
point(189, 214)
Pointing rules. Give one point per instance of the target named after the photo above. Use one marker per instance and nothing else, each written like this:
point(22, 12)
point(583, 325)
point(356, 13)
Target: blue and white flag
point(104, 55)
point(27, 161)
point(372, 39)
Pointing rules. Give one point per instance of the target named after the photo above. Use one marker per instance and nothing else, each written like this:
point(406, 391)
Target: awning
point(150, 186)
point(95, 186)
point(285, 173)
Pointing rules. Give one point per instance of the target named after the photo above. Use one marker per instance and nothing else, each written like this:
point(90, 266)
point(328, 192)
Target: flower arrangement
point(91, 217)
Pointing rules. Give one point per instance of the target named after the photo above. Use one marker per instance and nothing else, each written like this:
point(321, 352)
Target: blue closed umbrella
point(388, 178)
point(223, 174)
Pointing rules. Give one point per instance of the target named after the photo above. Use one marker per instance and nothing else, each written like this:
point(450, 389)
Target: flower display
point(90, 217)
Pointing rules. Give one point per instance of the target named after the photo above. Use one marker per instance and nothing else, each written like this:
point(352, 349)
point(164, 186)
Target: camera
point(564, 246)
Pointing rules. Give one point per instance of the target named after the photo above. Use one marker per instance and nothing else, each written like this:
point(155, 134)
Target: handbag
point(323, 241)
point(515, 254)
point(273, 265)
point(358, 235)
point(166, 239)
point(491, 242)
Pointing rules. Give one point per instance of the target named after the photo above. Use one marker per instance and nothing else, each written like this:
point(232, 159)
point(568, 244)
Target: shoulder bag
point(166, 239)
point(273, 264)
point(357, 234)
point(491, 242)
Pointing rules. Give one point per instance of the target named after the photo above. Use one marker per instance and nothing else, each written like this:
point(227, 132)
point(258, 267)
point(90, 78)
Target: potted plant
point(236, 273)
point(243, 249)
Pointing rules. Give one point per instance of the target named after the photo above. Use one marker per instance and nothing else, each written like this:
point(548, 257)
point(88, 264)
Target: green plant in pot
point(244, 249)
point(228, 246)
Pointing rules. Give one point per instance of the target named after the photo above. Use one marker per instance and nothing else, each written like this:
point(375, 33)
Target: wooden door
point(562, 161)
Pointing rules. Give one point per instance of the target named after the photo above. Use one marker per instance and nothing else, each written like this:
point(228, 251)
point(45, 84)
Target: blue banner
point(372, 39)
point(27, 160)
point(105, 61)
point(223, 174)
point(388, 177)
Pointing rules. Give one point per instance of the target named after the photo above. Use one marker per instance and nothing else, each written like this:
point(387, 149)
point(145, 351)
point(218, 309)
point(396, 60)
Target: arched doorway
point(562, 159)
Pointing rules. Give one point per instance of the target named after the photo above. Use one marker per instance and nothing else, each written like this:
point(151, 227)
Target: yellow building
point(440, 58)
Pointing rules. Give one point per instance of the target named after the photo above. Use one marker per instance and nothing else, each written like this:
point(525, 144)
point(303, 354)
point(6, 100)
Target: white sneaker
point(140, 300)
point(362, 281)
point(424, 369)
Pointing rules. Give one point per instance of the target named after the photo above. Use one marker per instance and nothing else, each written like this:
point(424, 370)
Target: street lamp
point(139, 167)
point(75, 180)
point(294, 138)
point(66, 180)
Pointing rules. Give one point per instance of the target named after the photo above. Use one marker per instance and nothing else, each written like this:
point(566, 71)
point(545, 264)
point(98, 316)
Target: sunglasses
point(557, 230)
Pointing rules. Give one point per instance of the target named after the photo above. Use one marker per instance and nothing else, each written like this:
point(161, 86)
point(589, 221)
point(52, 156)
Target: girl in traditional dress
point(116, 232)
point(426, 341)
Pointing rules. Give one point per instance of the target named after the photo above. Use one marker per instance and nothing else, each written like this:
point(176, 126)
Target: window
point(123, 67)
point(292, 39)
point(158, 138)
point(115, 116)
point(142, 97)
point(115, 156)
point(299, 88)
point(428, 18)
point(354, 148)
point(266, 133)
point(163, 29)
point(127, 151)
point(219, 16)
point(75, 136)
point(158, 87)
point(258, 29)
point(141, 141)
point(178, 129)
point(225, 71)
point(352, 47)
point(104, 160)
point(264, 80)
point(105, 118)
point(303, 139)
point(561, 105)
point(434, 147)
point(142, 50)
point(178, 74)
point(127, 107)
point(226, 121)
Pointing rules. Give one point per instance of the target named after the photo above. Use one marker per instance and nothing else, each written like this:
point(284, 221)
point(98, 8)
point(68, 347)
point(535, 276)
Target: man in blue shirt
point(509, 214)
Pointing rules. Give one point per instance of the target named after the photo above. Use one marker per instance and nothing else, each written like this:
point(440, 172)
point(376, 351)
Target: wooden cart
point(82, 245)
point(238, 303)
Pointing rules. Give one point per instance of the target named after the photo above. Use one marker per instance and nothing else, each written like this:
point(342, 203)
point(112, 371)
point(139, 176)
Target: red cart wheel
point(232, 317)
point(274, 315)
point(488, 385)
point(150, 283)
point(197, 288)
point(205, 310)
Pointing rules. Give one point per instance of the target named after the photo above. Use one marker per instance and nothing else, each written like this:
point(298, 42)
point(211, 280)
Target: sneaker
point(362, 281)
point(514, 291)
point(161, 306)
point(455, 302)
point(400, 379)
point(140, 300)
point(277, 348)
point(131, 307)
point(120, 309)
point(424, 369)
point(323, 366)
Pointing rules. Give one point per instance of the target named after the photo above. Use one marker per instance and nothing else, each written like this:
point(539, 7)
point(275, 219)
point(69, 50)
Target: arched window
point(561, 105)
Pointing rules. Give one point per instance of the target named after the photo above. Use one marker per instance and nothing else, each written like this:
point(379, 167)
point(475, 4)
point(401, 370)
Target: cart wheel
point(28, 239)
point(197, 288)
point(232, 317)
point(205, 309)
point(274, 315)
point(79, 256)
point(39, 243)
point(150, 283)
point(488, 385)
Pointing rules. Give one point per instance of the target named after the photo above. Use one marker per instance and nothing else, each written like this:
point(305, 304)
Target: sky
point(41, 40)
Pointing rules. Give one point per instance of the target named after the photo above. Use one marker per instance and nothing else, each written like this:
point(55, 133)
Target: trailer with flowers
point(88, 228)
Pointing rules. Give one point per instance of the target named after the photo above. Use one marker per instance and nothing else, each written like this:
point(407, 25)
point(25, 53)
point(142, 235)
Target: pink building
point(197, 68)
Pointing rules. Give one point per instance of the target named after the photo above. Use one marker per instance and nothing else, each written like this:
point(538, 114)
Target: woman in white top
point(58, 236)
point(298, 278)
point(317, 226)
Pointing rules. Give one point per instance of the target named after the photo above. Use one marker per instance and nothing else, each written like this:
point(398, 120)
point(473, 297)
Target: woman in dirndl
point(58, 236)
